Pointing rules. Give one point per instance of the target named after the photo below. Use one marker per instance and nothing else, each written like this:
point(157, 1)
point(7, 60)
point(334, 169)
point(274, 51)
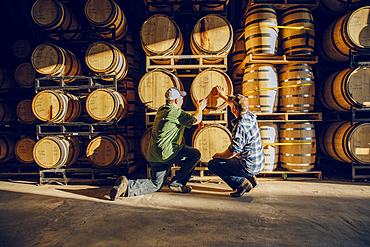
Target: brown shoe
point(244, 188)
point(119, 189)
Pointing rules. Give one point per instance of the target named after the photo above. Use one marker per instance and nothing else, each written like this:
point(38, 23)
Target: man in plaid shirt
point(244, 158)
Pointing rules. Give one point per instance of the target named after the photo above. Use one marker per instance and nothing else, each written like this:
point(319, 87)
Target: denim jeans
point(188, 158)
point(231, 171)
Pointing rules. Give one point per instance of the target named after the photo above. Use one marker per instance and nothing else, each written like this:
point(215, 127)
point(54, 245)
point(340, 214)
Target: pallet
point(360, 172)
point(186, 65)
point(289, 117)
point(284, 4)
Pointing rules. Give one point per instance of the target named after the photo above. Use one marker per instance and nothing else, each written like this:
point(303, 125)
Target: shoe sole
point(119, 189)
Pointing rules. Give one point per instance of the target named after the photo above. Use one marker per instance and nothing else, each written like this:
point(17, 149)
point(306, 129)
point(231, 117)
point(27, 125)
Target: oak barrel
point(106, 59)
point(211, 139)
point(153, 86)
point(218, 5)
point(346, 142)
point(106, 14)
point(25, 113)
point(203, 86)
point(24, 149)
point(53, 16)
point(238, 53)
point(346, 89)
point(259, 85)
point(6, 79)
point(56, 151)
point(107, 151)
point(212, 35)
point(297, 93)
point(162, 5)
point(299, 153)
point(297, 42)
point(7, 112)
point(106, 105)
point(350, 32)
point(269, 137)
point(52, 60)
point(25, 75)
point(7, 144)
point(261, 32)
point(56, 106)
point(126, 87)
point(22, 48)
point(337, 7)
point(160, 35)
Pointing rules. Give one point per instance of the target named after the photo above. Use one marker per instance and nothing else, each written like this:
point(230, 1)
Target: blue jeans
point(188, 158)
point(231, 171)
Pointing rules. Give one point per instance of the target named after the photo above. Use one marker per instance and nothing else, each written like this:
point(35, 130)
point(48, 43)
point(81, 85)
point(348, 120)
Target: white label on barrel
point(362, 151)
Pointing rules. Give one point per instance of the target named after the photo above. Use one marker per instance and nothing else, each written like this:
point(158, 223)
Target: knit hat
point(174, 93)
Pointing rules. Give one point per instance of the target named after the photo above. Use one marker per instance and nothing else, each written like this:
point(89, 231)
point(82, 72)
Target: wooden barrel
point(346, 89)
point(49, 59)
point(153, 86)
point(269, 137)
point(156, 42)
point(106, 14)
point(203, 86)
point(126, 87)
point(7, 112)
point(52, 15)
point(238, 84)
point(22, 48)
point(299, 152)
point(298, 88)
point(238, 53)
point(350, 32)
point(162, 5)
point(209, 6)
point(7, 144)
point(106, 105)
point(338, 7)
point(297, 42)
point(25, 113)
point(56, 106)
point(212, 35)
point(25, 75)
point(56, 151)
point(6, 79)
point(107, 151)
point(24, 149)
point(106, 59)
point(261, 32)
point(130, 49)
point(211, 139)
point(346, 142)
point(259, 85)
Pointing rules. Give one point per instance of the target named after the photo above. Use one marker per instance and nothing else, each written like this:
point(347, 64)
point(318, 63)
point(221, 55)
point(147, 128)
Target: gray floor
point(278, 213)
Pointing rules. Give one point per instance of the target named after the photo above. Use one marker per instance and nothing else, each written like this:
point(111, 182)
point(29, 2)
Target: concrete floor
point(278, 213)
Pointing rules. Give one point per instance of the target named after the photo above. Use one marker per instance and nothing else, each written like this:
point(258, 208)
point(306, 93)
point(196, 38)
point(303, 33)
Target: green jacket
point(167, 133)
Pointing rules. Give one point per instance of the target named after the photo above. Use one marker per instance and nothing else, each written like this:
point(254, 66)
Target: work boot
point(119, 189)
point(245, 187)
point(254, 181)
point(182, 189)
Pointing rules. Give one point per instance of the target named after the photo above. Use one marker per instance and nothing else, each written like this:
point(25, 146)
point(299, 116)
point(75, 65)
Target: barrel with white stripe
point(270, 137)
point(298, 146)
point(260, 83)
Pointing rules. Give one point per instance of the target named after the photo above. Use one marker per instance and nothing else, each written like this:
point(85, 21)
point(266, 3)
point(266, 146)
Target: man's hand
point(202, 104)
point(220, 91)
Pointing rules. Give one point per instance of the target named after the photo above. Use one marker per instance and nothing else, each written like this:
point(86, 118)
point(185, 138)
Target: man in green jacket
point(165, 149)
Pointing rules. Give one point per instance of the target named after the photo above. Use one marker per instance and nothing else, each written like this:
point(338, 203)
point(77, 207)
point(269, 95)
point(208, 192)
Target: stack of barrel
point(105, 104)
point(346, 89)
point(287, 88)
point(211, 35)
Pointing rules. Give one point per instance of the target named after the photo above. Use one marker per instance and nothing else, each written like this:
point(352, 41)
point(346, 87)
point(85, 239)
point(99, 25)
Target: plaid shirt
point(246, 142)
